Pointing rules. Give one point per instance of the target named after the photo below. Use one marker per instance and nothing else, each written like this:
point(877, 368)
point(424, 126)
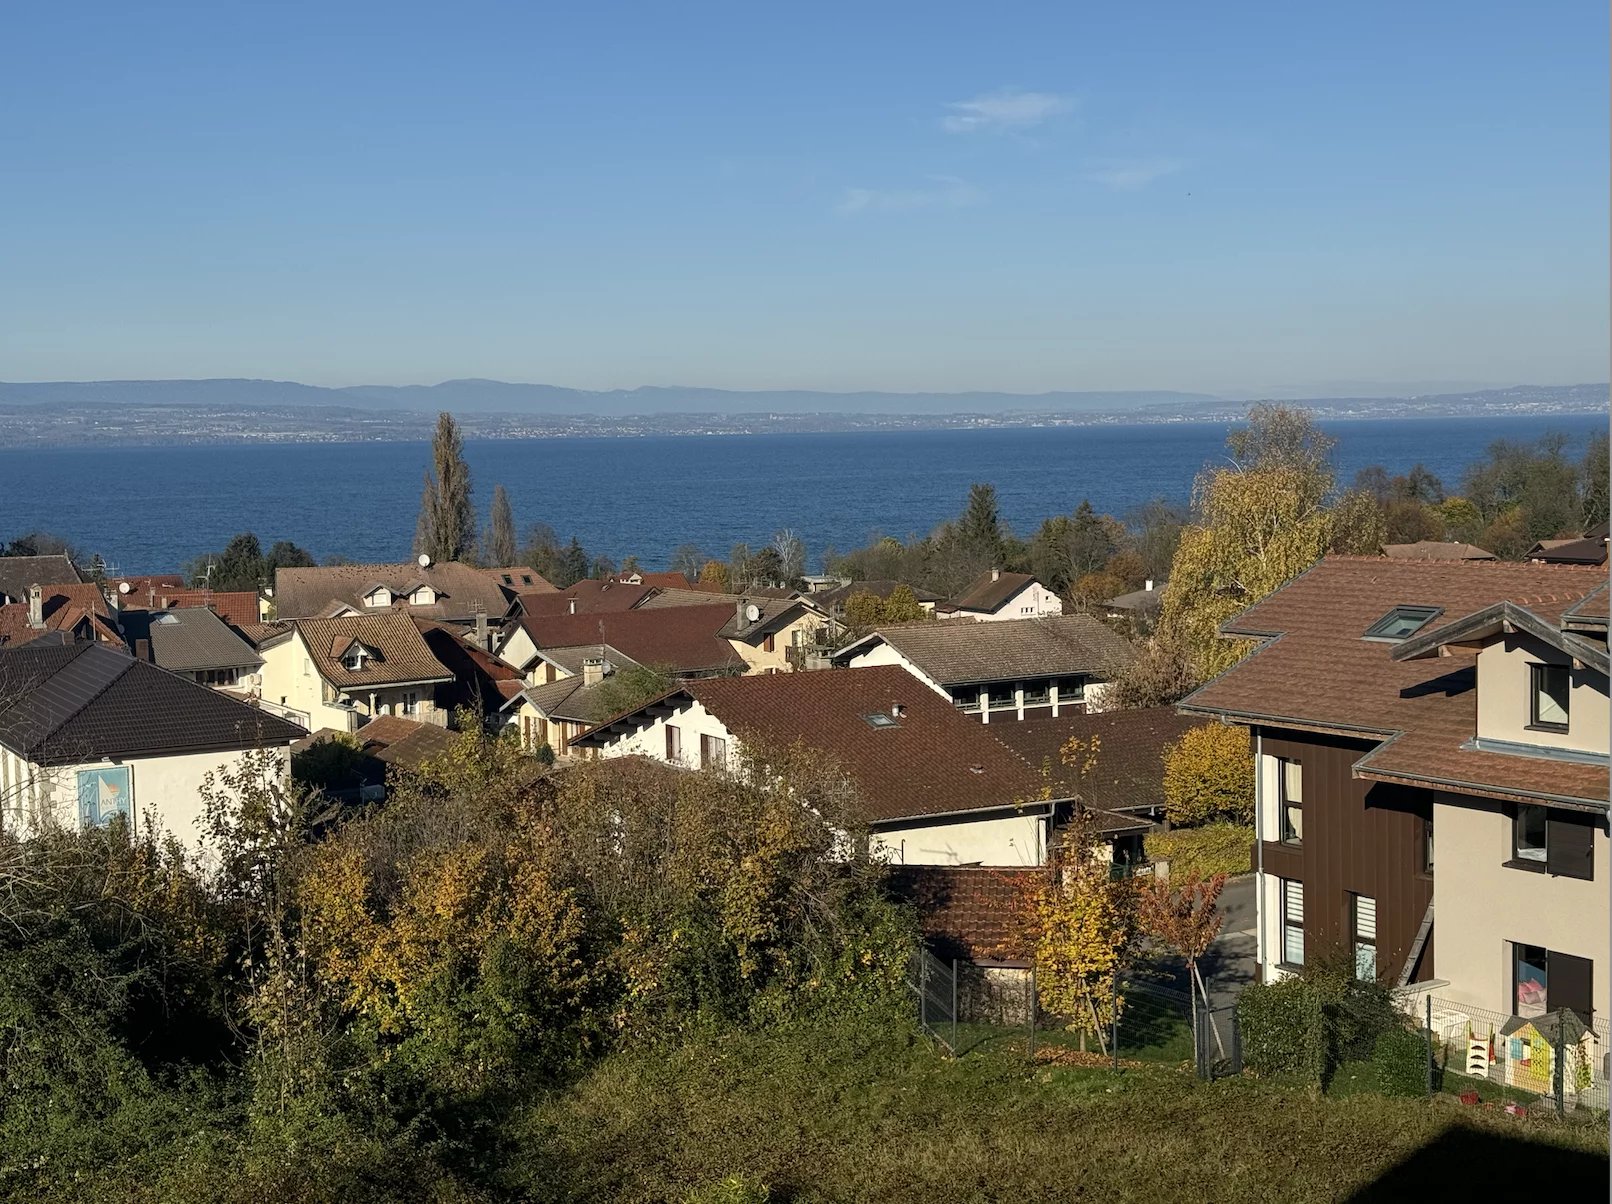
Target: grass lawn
point(843, 1116)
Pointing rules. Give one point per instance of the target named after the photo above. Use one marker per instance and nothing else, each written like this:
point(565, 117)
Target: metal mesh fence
point(1554, 1059)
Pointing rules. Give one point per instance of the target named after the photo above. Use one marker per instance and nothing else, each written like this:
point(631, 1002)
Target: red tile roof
point(685, 638)
point(989, 590)
point(585, 597)
point(233, 606)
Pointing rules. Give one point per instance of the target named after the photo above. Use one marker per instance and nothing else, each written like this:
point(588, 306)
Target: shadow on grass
point(1465, 1164)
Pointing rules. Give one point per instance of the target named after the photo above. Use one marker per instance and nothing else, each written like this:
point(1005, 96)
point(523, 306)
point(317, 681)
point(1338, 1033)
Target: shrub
point(1204, 852)
point(1208, 775)
point(1282, 1029)
point(1400, 1058)
point(545, 753)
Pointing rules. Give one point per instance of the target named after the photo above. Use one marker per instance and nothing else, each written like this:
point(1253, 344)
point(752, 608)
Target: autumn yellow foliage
point(1209, 775)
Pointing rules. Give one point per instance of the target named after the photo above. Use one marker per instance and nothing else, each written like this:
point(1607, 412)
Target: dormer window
point(424, 596)
point(1401, 623)
point(355, 659)
point(1548, 685)
point(379, 596)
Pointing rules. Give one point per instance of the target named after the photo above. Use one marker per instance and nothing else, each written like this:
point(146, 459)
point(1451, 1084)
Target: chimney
point(738, 612)
point(573, 608)
point(482, 639)
point(142, 650)
point(898, 710)
point(36, 606)
point(1148, 585)
point(996, 574)
point(593, 670)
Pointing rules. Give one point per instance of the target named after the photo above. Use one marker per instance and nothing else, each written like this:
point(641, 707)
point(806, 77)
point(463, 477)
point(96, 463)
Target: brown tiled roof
point(1315, 672)
point(1129, 774)
point(657, 580)
point(932, 761)
point(88, 702)
point(880, 588)
point(965, 653)
point(971, 913)
point(233, 606)
point(775, 608)
point(587, 597)
point(686, 638)
point(141, 587)
point(1592, 611)
point(481, 681)
point(403, 654)
point(405, 743)
point(1436, 549)
point(987, 592)
point(17, 573)
point(519, 579)
point(1588, 550)
point(260, 634)
point(462, 589)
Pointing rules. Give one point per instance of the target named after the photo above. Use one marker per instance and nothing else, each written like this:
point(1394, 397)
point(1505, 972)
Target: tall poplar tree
point(447, 526)
point(501, 530)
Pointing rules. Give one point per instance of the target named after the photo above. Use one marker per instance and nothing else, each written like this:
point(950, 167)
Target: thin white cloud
point(944, 192)
point(1006, 109)
point(1127, 175)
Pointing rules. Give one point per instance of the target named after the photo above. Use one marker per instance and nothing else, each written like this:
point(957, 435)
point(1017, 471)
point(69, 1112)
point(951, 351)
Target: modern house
point(1002, 595)
point(451, 591)
point(1403, 707)
point(192, 642)
point(933, 786)
point(1019, 669)
point(87, 733)
point(17, 573)
point(1436, 549)
point(341, 672)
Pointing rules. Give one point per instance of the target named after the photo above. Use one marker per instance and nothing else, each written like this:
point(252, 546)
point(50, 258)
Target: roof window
point(1401, 623)
point(879, 720)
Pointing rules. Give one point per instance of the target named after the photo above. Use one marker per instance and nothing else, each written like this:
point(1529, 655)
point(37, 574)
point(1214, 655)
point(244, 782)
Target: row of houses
point(1397, 705)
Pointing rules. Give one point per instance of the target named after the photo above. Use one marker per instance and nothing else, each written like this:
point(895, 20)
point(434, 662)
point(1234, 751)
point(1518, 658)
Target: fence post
point(1035, 1000)
point(1113, 1022)
point(954, 1007)
point(923, 991)
point(1558, 1066)
point(1427, 1039)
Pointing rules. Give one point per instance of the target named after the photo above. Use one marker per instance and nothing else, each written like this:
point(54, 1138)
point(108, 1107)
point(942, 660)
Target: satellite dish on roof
point(125, 588)
point(752, 612)
point(425, 561)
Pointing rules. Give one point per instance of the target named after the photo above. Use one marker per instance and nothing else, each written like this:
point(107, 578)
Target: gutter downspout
point(1259, 852)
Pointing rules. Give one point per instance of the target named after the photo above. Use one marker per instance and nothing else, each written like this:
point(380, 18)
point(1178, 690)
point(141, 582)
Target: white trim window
point(1365, 934)
point(1292, 917)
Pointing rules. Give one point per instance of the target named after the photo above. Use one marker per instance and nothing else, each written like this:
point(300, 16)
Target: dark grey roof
point(87, 702)
point(1139, 599)
point(17, 573)
point(189, 639)
point(955, 654)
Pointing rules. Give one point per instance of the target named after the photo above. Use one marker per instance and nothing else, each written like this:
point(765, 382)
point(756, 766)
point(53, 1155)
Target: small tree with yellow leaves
point(1208, 775)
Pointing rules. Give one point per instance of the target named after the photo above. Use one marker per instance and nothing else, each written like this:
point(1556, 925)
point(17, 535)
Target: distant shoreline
point(63, 428)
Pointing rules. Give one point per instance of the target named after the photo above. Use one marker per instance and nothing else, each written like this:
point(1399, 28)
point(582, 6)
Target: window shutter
point(1365, 918)
point(1570, 981)
point(1570, 847)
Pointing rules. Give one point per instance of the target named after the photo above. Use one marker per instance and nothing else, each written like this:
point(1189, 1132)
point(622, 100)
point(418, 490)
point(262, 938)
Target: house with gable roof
point(1431, 755)
point(448, 590)
point(998, 594)
point(341, 672)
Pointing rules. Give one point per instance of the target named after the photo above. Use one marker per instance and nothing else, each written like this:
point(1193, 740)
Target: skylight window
point(1401, 623)
point(879, 719)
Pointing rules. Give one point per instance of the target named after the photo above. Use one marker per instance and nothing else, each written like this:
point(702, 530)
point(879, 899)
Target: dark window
point(1292, 922)
point(767, 644)
point(1072, 689)
point(1401, 622)
point(1363, 920)
point(1548, 709)
point(1001, 697)
point(1290, 792)
point(969, 701)
point(674, 743)
point(1550, 842)
point(713, 752)
point(1037, 693)
point(1427, 841)
point(1544, 980)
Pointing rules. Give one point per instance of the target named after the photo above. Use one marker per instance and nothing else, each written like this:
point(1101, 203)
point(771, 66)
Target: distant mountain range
point(535, 400)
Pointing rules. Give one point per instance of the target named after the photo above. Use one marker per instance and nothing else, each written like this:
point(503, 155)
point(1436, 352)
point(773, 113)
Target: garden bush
point(1311, 1023)
point(1401, 1058)
point(1204, 852)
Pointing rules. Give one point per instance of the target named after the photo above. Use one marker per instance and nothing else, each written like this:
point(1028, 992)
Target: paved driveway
point(1229, 966)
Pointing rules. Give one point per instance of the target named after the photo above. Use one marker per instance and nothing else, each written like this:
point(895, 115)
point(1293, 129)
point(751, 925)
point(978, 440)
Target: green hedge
point(1211, 849)
point(1310, 1024)
point(1401, 1060)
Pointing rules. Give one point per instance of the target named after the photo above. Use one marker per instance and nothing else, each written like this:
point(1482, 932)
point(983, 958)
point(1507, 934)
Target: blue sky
point(1234, 197)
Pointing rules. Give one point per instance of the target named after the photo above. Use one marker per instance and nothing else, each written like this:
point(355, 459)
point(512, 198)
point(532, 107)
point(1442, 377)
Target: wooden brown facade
point(1360, 838)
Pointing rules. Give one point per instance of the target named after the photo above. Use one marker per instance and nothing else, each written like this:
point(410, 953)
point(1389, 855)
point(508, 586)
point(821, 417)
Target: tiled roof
point(403, 655)
point(1591, 612)
point(1129, 774)
point(1588, 550)
point(1436, 549)
point(585, 597)
point(141, 587)
point(684, 638)
point(971, 913)
point(567, 699)
point(1139, 599)
point(481, 681)
point(405, 743)
point(989, 590)
point(570, 659)
point(954, 654)
point(17, 573)
point(72, 609)
point(931, 761)
point(655, 580)
point(233, 606)
point(188, 640)
point(301, 593)
point(86, 702)
point(261, 635)
point(520, 579)
point(1317, 673)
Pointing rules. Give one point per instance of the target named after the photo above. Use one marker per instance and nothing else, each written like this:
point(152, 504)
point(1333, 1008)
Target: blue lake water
point(150, 509)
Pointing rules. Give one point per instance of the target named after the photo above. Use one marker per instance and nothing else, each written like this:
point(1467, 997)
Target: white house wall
point(1011, 840)
point(1034, 601)
point(881, 653)
point(692, 721)
point(1505, 696)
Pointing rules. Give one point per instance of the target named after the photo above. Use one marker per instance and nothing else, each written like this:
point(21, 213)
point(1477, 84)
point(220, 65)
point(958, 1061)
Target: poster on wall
point(103, 793)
